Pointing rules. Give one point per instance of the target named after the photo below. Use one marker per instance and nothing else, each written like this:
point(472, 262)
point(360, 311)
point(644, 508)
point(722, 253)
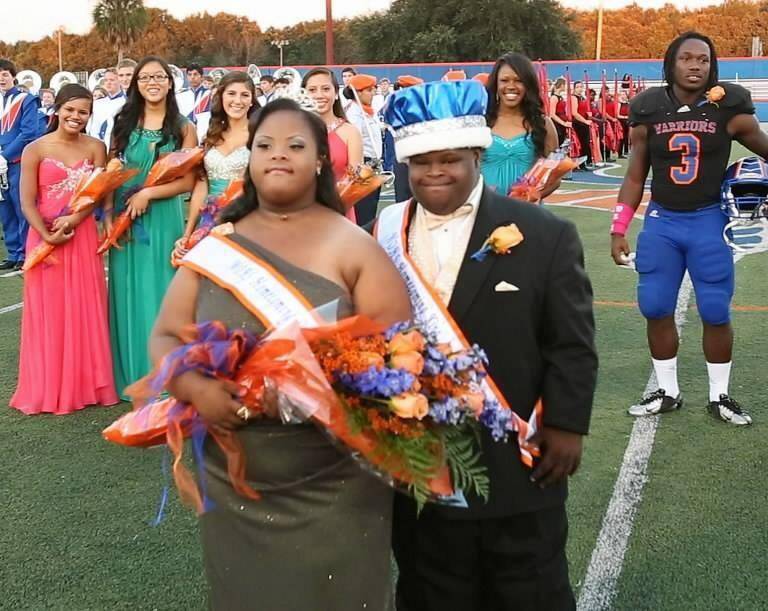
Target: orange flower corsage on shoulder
point(500, 242)
point(715, 94)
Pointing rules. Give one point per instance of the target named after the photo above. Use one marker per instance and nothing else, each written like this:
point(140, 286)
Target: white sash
point(255, 283)
point(430, 313)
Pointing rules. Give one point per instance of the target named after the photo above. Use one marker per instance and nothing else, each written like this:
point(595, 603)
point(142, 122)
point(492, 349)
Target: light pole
point(59, 30)
point(280, 44)
point(599, 41)
point(329, 60)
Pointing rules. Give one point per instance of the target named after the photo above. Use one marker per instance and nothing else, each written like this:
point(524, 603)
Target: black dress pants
point(515, 563)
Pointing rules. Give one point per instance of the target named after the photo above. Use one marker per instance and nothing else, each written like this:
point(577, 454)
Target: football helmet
point(744, 192)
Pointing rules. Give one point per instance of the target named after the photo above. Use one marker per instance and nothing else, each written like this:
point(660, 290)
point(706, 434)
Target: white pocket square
point(505, 287)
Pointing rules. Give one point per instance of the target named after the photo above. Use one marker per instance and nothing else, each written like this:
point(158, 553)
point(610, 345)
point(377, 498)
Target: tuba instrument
point(31, 80)
point(60, 79)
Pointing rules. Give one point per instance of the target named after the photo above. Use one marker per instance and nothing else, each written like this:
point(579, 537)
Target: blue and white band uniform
point(102, 121)
point(19, 125)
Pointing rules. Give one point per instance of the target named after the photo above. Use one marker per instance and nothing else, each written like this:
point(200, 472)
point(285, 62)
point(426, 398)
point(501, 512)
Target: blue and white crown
point(438, 116)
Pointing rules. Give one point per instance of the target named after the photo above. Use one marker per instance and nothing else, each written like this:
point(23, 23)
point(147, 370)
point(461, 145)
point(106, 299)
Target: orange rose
point(412, 362)
point(474, 400)
point(371, 359)
point(410, 405)
point(412, 341)
point(503, 239)
point(715, 94)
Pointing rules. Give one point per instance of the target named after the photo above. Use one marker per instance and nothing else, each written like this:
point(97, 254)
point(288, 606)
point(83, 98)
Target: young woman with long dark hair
point(344, 139)
point(149, 125)
point(65, 362)
point(522, 133)
point(289, 218)
point(226, 150)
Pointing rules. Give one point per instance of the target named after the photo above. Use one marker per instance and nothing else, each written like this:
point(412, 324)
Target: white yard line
point(601, 581)
point(11, 308)
point(600, 584)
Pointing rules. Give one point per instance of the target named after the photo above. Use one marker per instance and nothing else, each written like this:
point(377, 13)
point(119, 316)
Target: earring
point(319, 170)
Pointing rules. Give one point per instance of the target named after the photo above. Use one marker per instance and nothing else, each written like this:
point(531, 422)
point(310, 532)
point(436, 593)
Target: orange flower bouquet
point(358, 183)
point(543, 175)
point(209, 214)
point(409, 409)
point(90, 189)
point(166, 169)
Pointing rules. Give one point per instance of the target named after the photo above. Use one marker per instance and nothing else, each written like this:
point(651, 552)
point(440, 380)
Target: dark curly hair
point(670, 58)
point(219, 119)
point(325, 191)
point(533, 110)
point(132, 114)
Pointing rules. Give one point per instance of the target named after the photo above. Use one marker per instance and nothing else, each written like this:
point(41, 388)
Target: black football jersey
point(689, 146)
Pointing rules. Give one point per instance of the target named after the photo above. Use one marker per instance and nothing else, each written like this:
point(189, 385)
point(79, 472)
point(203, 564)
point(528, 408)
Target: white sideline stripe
point(11, 308)
point(600, 583)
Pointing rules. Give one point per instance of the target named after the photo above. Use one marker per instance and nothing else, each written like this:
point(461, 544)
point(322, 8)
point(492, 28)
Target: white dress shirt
point(438, 244)
point(370, 128)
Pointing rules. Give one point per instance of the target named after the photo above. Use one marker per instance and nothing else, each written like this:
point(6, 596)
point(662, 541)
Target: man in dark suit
point(531, 311)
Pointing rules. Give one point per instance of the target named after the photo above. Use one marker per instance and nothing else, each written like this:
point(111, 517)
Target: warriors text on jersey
point(689, 146)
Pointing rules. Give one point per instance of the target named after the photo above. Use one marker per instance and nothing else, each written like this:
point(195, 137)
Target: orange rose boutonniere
point(715, 94)
point(500, 242)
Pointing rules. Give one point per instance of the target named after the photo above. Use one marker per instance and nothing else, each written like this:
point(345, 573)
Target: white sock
point(666, 375)
point(719, 377)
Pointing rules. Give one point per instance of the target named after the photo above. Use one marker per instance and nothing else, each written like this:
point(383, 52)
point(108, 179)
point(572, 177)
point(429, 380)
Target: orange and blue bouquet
point(209, 216)
point(166, 169)
point(407, 408)
point(544, 174)
point(90, 189)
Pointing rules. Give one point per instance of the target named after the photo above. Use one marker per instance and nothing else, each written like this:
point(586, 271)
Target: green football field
point(75, 524)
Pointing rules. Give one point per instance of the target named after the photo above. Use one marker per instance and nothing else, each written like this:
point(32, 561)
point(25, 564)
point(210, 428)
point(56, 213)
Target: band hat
point(362, 81)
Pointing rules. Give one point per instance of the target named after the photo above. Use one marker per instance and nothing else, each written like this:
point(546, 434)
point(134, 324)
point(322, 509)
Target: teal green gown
point(506, 160)
point(139, 274)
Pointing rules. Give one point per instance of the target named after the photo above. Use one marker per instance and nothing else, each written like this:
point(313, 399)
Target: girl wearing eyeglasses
point(148, 126)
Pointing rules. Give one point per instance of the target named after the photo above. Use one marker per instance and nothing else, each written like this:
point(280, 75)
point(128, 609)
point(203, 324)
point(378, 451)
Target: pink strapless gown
point(65, 362)
point(339, 162)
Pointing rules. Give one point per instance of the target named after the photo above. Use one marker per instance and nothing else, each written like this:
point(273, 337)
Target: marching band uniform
point(19, 125)
point(103, 119)
point(195, 104)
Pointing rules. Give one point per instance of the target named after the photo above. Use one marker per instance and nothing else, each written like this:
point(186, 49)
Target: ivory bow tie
point(435, 221)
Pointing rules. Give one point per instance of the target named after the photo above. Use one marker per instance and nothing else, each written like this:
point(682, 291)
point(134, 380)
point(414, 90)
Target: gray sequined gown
point(319, 538)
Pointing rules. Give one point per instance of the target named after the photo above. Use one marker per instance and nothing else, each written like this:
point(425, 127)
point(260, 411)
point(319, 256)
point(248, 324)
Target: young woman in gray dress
point(320, 536)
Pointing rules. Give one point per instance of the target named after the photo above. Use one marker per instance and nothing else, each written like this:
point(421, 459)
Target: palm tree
point(120, 22)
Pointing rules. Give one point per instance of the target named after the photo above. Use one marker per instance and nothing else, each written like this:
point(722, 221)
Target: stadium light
point(280, 44)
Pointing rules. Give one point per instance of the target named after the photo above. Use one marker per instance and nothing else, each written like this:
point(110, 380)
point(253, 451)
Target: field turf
point(75, 524)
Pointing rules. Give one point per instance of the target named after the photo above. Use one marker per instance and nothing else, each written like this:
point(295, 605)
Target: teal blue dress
point(506, 160)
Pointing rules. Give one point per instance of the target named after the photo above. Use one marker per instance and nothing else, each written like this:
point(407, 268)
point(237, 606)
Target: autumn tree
point(120, 22)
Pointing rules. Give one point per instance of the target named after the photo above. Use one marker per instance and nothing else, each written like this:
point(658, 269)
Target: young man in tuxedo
point(531, 311)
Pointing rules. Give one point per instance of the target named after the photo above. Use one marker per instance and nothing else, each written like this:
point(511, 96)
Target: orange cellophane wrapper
point(544, 173)
point(174, 165)
point(284, 361)
point(89, 191)
point(354, 187)
point(166, 169)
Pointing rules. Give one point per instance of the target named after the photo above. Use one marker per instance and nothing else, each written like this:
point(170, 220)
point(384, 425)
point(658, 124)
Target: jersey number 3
point(689, 147)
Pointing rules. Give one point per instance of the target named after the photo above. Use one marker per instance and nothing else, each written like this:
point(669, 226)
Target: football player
point(683, 131)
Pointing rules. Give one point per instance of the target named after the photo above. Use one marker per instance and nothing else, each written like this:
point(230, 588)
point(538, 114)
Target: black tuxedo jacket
point(539, 339)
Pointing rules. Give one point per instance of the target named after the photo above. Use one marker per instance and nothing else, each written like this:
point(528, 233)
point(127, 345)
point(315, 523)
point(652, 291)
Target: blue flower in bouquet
point(384, 382)
point(496, 419)
point(399, 327)
point(447, 411)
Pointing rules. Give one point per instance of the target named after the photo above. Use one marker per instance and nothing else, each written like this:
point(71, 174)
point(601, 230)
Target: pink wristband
point(622, 217)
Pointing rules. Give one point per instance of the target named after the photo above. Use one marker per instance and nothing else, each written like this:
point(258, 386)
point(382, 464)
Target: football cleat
point(728, 410)
point(657, 402)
